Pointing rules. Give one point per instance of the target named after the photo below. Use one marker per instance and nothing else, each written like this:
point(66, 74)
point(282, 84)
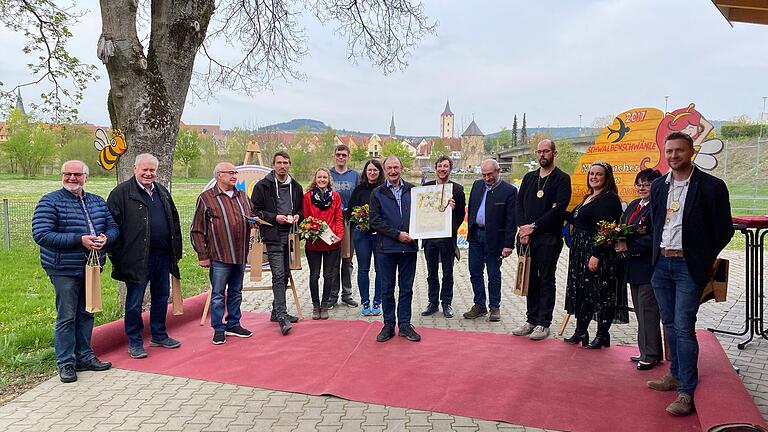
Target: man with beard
point(442, 250)
point(68, 224)
point(148, 251)
point(540, 213)
point(277, 200)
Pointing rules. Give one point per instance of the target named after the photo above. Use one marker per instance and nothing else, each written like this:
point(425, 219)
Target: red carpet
point(546, 384)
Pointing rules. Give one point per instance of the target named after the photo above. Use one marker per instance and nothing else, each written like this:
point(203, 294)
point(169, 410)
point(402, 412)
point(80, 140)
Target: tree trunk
point(147, 93)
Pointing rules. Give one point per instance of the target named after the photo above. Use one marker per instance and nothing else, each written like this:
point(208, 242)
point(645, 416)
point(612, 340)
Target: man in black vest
point(540, 213)
point(691, 219)
point(442, 250)
point(147, 251)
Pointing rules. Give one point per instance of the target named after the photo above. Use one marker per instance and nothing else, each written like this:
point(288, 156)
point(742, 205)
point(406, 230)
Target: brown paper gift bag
point(717, 287)
point(523, 272)
point(177, 301)
point(294, 251)
point(93, 283)
point(255, 258)
point(346, 243)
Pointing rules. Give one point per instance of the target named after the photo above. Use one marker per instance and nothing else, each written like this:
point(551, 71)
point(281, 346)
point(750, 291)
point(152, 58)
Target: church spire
point(19, 102)
point(392, 131)
point(447, 110)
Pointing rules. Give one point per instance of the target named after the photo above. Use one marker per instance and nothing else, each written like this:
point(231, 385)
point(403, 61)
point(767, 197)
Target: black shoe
point(239, 332)
point(642, 366)
point(386, 333)
point(600, 341)
point(350, 302)
point(92, 365)
point(67, 373)
point(137, 352)
point(168, 342)
point(285, 325)
point(430, 310)
point(219, 338)
point(407, 331)
point(635, 359)
point(273, 317)
point(448, 311)
point(578, 337)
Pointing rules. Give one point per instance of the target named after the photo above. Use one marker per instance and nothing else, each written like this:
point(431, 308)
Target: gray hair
point(392, 157)
point(85, 167)
point(146, 156)
point(218, 166)
point(493, 162)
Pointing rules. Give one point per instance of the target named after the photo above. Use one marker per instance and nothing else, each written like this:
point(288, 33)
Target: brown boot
point(667, 383)
point(495, 315)
point(682, 406)
point(316, 313)
point(475, 312)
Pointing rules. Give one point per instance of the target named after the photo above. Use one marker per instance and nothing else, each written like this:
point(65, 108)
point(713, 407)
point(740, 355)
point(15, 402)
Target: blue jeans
point(226, 278)
point(365, 248)
point(400, 265)
point(479, 261)
point(158, 276)
point(72, 331)
point(678, 298)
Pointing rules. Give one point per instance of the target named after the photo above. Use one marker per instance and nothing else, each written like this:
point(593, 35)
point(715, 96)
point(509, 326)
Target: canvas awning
point(745, 11)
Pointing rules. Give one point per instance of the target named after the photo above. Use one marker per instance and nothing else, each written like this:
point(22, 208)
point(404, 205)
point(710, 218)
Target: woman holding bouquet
point(592, 290)
point(364, 240)
point(322, 206)
point(637, 271)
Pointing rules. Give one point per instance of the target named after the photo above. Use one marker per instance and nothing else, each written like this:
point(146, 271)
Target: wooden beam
point(743, 4)
point(748, 16)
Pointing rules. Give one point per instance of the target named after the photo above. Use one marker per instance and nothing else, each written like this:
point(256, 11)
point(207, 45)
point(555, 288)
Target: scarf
point(320, 199)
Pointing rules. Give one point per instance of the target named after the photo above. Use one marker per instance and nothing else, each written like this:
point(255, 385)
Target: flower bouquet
point(610, 233)
point(311, 228)
point(360, 217)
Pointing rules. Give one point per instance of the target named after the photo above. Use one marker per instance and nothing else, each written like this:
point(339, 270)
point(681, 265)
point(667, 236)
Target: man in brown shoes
point(681, 406)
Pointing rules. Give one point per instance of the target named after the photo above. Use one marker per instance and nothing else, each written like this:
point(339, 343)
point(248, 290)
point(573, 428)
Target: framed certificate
point(431, 216)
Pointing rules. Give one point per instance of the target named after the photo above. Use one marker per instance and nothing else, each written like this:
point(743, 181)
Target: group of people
point(665, 260)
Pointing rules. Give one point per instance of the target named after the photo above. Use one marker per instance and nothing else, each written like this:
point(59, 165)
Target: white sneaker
point(539, 333)
point(523, 330)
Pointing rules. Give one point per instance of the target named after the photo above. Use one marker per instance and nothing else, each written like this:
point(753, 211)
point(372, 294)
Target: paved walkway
point(123, 400)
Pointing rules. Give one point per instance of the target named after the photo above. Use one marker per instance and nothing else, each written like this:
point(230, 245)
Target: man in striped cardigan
point(220, 236)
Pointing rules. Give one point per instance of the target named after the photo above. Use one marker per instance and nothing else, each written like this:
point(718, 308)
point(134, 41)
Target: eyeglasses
point(643, 185)
point(228, 172)
point(70, 174)
point(540, 152)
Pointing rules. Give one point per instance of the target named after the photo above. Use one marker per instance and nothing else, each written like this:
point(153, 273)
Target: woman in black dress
point(637, 272)
point(594, 273)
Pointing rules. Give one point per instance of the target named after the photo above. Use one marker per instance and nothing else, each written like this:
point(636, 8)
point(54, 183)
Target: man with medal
point(442, 250)
point(685, 204)
point(540, 211)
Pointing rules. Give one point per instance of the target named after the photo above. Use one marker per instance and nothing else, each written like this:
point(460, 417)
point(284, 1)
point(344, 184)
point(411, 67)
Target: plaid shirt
point(219, 229)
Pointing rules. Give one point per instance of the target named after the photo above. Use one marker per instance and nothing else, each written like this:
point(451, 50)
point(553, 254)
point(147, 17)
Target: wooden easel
point(254, 149)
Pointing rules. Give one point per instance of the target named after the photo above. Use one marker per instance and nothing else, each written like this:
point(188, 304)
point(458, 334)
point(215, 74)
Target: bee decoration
point(109, 149)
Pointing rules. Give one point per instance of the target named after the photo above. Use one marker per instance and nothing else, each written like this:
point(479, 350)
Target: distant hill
point(296, 124)
point(573, 132)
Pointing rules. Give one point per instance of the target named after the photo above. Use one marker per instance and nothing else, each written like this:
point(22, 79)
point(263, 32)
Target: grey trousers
point(277, 255)
point(342, 275)
point(648, 322)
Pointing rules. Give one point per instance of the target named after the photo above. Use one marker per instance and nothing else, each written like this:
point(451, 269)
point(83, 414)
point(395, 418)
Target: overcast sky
point(554, 60)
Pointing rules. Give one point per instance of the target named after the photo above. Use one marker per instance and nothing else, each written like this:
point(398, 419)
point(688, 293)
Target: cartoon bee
point(109, 149)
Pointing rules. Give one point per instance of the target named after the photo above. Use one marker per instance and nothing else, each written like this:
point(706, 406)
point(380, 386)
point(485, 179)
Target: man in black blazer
point(492, 230)
point(691, 219)
point(442, 250)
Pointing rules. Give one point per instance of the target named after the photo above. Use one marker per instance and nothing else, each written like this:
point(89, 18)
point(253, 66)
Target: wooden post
point(253, 148)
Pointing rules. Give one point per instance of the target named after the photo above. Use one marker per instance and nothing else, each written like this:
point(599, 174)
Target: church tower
point(446, 122)
point(392, 131)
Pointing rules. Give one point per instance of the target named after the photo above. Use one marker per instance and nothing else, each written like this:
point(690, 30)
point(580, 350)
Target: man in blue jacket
point(492, 230)
point(691, 219)
point(390, 214)
point(67, 224)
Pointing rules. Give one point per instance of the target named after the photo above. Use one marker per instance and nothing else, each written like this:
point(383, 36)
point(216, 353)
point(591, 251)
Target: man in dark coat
point(492, 230)
point(277, 200)
point(68, 224)
point(148, 251)
point(443, 250)
point(691, 219)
